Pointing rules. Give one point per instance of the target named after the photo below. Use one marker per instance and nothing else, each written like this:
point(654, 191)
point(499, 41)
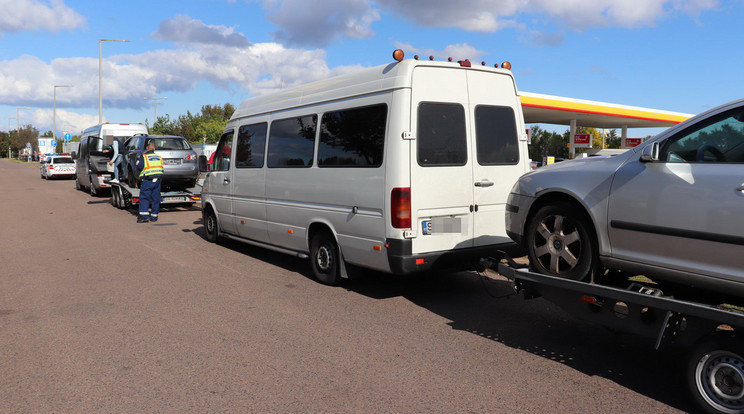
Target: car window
point(441, 137)
point(62, 160)
point(170, 144)
point(719, 139)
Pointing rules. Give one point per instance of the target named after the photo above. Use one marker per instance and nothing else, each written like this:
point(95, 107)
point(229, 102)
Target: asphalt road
point(100, 314)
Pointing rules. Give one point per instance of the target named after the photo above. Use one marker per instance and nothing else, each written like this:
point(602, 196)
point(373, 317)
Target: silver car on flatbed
point(670, 209)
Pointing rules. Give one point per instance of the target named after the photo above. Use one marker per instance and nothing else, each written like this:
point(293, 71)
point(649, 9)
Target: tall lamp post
point(18, 118)
point(100, 78)
point(54, 114)
point(155, 105)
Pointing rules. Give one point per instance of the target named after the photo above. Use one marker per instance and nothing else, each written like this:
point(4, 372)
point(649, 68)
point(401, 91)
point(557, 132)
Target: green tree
point(613, 140)
point(545, 143)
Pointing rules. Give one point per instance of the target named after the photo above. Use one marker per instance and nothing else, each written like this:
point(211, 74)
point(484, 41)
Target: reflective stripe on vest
point(153, 165)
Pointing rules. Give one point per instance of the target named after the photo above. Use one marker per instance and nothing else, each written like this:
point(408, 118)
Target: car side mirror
point(202, 161)
point(650, 153)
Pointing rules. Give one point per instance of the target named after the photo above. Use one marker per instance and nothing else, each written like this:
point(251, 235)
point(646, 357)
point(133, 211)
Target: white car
point(58, 166)
point(671, 209)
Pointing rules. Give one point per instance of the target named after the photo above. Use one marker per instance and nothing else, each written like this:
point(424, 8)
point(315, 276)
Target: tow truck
point(125, 196)
point(712, 333)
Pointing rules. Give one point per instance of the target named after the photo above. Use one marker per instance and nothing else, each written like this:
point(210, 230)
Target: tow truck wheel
point(211, 226)
point(715, 375)
point(560, 242)
point(324, 258)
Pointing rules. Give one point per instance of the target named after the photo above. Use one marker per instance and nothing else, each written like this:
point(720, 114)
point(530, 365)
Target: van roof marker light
point(483, 63)
point(398, 55)
point(464, 63)
point(431, 57)
point(506, 65)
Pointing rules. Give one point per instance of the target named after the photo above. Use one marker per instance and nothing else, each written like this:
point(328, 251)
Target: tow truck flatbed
point(125, 196)
point(712, 334)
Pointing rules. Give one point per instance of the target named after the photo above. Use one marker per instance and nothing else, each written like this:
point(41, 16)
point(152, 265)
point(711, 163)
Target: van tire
point(211, 226)
point(325, 258)
point(92, 189)
point(77, 183)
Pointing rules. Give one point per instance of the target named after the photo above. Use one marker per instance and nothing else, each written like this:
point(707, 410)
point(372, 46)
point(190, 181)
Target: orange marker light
point(290, 231)
point(506, 65)
point(377, 248)
point(398, 55)
point(419, 261)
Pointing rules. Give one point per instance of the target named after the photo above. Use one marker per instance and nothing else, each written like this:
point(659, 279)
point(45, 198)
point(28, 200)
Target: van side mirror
point(202, 161)
point(650, 153)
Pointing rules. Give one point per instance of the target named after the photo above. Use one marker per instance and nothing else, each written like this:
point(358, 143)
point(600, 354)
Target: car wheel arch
point(553, 197)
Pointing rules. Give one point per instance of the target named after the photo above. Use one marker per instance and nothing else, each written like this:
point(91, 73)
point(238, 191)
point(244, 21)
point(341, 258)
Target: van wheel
point(77, 183)
point(211, 226)
point(560, 242)
point(325, 258)
point(715, 375)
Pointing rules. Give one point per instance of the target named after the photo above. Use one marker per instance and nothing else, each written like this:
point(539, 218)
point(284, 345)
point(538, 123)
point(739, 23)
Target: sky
point(674, 55)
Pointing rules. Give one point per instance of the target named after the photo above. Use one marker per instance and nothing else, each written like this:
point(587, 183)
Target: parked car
point(179, 159)
point(669, 209)
point(62, 166)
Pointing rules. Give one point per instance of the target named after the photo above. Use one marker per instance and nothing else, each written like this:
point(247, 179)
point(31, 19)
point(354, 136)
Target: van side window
point(496, 137)
point(441, 134)
point(353, 137)
point(249, 151)
point(223, 153)
point(292, 141)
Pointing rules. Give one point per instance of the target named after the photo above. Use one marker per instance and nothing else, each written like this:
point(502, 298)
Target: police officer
point(151, 166)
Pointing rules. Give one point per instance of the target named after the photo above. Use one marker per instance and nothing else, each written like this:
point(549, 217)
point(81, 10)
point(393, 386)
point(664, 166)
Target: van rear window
point(496, 137)
point(353, 137)
point(291, 142)
point(441, 136)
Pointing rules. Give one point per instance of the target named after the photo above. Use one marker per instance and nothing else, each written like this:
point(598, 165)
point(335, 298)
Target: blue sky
point(674, 55)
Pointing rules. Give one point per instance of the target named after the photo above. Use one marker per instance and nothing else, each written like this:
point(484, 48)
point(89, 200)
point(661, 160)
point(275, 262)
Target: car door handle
point(227, 180)
point(740, 188)
point(484, 183)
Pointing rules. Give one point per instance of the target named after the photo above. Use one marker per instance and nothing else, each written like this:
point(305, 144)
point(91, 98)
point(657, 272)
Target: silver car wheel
point(561, 244)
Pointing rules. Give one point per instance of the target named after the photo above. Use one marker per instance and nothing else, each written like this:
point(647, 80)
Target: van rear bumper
point(402, 261)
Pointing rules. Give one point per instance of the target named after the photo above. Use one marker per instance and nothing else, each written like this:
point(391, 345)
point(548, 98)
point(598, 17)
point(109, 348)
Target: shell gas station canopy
point(548, 109)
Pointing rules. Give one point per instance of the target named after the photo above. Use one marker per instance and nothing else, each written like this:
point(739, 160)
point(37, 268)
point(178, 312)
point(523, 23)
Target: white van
point(95, 152)
point(399, 168)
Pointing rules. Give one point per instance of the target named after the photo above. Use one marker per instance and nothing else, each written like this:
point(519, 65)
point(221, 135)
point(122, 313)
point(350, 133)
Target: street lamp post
point(18, 118)
point(100, 78)
point(155, 105)
point(54, 113)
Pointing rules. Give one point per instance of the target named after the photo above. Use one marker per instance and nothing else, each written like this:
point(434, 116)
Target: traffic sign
point(68, 136)
point(28, 145)
point(53, 143)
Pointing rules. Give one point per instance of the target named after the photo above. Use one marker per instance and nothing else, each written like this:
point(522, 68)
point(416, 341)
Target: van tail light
point(400, 208)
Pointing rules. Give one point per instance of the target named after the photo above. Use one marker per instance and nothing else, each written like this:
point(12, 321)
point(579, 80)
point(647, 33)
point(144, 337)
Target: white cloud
point(71, 122)
point(184, 29)
point(29, 15)
point(318, 23)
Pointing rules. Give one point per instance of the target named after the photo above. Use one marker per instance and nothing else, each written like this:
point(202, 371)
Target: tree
point(546, 143)
point(613, 140)
point(209, 123)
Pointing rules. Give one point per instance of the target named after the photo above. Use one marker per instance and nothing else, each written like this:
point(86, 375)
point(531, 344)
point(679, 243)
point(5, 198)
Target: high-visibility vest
point(153, 165)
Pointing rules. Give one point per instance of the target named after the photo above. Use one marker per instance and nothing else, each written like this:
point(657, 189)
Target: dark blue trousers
point(149, 205)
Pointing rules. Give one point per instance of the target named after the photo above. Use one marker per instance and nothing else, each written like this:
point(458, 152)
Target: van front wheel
point(210, 225)
point(325, 258)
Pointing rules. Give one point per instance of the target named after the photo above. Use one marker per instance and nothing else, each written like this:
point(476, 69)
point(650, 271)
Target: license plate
point(441, 225)
point(175, 199)
point(171, 161)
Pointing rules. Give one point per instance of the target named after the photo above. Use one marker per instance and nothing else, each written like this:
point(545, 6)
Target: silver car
point(671, 209)
point(179, 159)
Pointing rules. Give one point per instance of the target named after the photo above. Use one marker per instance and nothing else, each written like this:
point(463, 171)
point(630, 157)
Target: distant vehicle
point(400, 168)
point(95, 152)
point(179, 159)
point(670, 208)
point(62, 166)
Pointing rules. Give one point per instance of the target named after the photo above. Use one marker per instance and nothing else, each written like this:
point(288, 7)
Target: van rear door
point(497, 163)
point(441, 164)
